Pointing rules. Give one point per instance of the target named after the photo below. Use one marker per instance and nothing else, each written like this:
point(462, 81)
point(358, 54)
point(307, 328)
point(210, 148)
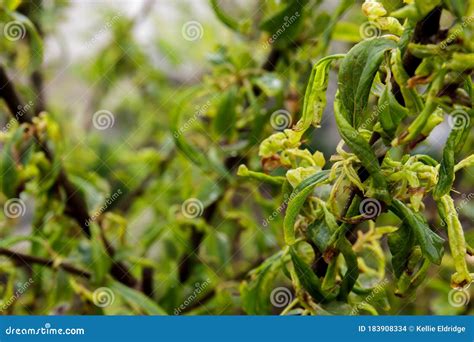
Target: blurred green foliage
point(216, 191)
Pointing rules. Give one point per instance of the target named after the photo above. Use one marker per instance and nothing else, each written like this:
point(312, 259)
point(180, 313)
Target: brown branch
point(76, 206)
point(28, 260)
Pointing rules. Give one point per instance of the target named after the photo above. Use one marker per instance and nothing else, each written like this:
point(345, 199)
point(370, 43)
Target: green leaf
point(8, 171)
point(285, 25)
point(243, 171)
point(178, 130)
point(411, 98)
point(137, 300)
point(352, 273)
point(457, 242)
point(224, 121)
point(431, 243)
point(456, 140)
point(35, 41)
point(256, 293)
point(400, 243)
point(391, 113)
point(321, 231)
point(308, 280)
point(361, 148)
point(420, 123)
point(100, 260)
point(224, 17)
point(297, 199)
point(357, 73)
point(315, 95)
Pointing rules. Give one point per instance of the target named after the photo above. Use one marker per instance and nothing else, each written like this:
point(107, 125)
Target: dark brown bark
point(29, 260)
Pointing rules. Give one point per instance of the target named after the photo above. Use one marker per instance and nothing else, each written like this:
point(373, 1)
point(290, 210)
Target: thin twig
point(28, 260)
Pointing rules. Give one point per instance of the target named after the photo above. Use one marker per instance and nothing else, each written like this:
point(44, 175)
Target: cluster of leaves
point(109, 205)
point(393, 90)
